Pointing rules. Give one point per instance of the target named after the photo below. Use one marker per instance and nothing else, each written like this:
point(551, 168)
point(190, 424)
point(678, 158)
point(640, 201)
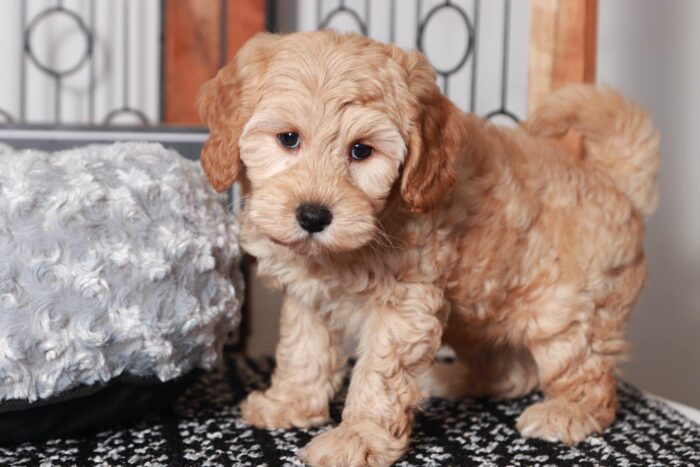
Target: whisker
point(387, 235)
point(384, 241)
point(390, 239)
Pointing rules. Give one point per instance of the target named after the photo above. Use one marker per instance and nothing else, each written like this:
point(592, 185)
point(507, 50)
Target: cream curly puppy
point(382, 211)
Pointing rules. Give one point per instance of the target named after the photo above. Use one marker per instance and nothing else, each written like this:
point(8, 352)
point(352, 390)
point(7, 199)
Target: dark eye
point(289, 140)
point(360, 151)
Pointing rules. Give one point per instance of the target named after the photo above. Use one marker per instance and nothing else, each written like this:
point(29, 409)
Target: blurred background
point(88, 66)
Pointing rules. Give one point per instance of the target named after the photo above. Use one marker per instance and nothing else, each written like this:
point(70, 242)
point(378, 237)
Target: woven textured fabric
point(205, 429)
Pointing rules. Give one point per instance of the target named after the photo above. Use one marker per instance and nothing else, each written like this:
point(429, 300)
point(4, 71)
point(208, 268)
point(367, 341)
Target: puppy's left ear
point(434, 141)
point(226, 103)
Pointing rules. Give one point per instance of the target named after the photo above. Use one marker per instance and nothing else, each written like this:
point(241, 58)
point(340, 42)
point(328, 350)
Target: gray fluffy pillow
point(113, 260)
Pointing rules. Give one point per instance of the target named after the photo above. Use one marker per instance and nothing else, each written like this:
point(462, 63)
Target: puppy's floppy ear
point(434, 141)
point(225, 104)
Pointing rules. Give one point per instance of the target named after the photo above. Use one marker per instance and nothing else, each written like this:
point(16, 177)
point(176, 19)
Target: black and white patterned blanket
point(205, 429)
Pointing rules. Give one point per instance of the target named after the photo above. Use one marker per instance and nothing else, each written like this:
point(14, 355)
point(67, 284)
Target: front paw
point(346, 446)
point(263, 411)
point(558, 420)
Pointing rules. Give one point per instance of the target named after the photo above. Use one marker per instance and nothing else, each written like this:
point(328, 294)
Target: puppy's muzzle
point(313, 217)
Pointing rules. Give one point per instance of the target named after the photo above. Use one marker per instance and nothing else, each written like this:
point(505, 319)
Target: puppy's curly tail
point(618, 137)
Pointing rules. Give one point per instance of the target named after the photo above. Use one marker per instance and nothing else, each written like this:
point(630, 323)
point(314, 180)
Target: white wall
point(650, 50)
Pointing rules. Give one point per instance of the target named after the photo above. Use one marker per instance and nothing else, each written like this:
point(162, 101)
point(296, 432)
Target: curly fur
point(523, 258)
point(113, 260)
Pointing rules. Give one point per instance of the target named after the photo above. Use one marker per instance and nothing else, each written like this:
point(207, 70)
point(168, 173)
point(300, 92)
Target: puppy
point(382, 211)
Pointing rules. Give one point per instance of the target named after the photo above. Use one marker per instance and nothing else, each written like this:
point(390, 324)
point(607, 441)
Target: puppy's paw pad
point(339, 447)
point(262, 411)
point(557, 420)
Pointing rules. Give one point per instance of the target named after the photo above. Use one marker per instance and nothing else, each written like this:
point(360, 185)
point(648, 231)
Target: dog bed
point(118, 271)
point(204, 427)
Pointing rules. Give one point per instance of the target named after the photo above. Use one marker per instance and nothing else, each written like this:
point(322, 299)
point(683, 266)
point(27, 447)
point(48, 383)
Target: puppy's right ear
point(435, 140)
point(226, 103)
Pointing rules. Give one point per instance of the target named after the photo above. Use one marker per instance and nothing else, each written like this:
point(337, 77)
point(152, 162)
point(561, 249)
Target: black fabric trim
point(13, 405)
point(86, 409)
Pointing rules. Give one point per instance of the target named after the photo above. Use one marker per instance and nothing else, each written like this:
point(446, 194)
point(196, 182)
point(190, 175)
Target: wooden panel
point(193, 48)
point(562, 49)
point(245, 19)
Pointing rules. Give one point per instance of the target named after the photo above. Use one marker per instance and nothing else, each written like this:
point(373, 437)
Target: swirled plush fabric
point(114, 260)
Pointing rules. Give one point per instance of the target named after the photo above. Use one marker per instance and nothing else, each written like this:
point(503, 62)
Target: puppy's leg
point(579, 397)
point(576, 345)
point(500, 372)
point(398, 344)
point(575, 376)
point(308, 373)
point(448, 380)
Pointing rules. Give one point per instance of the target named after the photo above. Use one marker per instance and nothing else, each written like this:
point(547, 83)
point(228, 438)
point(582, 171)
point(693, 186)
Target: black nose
point(313, 217)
